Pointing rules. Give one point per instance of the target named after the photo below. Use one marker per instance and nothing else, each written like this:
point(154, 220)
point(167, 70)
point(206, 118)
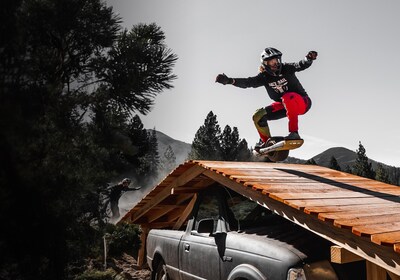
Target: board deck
point(282, 145)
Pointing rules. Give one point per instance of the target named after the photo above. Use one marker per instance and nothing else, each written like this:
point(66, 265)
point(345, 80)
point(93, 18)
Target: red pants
point(292, 105)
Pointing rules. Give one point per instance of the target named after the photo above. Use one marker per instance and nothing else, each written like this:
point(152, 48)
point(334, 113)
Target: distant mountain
point(346, 157)
point(181, 149)
point(343, 156)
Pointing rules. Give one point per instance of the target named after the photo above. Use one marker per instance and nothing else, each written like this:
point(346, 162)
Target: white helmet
point(269, 53)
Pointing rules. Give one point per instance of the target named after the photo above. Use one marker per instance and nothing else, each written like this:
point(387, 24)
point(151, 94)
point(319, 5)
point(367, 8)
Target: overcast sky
point(353, 84)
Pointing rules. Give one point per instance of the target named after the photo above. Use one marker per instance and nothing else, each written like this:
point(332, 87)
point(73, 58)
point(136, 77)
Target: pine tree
point(348, 169)
point(229, 143)
point(244, 153)
point(362, 167)
point(333, 164)
point(70, 79)
point(169, 160)
point(150, 162)
point(311, 161)
point(140, 142)
point(382, 174)
point(206, 143)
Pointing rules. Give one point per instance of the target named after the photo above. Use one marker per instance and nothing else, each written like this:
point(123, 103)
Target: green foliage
point(210, 144)
point(333, 164)
point(206, 143)
point(169, 161)
point(94, 274)
point(348, 169)
point(229, 142)
point(311, 162)
point(138, 67)
point(382, 174)
point(244, 153)
point(70, 82)
point(122, 238)
point(363, 167)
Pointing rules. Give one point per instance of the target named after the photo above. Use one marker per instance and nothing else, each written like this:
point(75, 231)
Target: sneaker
point(293, 136)
point(261, 144)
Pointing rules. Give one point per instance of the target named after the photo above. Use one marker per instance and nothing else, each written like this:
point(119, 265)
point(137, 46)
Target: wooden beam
point(382, 256)
point(142, 250)
point(185, 213)
point(184, 178)
point(393, 276)
point(155, 214)
point(375, 272)
point(340, 255)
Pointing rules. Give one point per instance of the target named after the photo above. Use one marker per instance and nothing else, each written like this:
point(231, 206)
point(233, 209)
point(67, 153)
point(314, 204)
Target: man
point(282, 86)
point(115, 192)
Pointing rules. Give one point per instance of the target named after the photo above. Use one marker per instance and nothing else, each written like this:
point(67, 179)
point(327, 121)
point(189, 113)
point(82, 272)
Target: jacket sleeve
point(254, 82)
point(299, 66)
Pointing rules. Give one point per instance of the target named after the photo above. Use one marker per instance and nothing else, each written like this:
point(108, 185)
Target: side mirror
point(206, 226)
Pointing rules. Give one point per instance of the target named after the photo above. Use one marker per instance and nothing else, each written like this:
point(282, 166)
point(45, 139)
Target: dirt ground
point(127, 267)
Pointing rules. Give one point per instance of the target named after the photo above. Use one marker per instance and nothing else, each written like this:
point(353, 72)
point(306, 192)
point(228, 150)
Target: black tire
point(277, 155)
point(160, 273)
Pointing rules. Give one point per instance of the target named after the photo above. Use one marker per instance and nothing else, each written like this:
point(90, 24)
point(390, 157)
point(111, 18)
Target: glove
point(223, 79)
point(312, 55)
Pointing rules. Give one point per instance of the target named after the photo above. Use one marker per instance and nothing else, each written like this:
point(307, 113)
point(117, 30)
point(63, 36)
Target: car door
point(198, 251)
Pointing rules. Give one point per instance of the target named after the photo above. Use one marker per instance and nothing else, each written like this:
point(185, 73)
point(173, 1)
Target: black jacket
point(116, 191)
point(276, 86)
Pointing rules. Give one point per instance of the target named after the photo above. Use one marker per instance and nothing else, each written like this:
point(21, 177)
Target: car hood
point(284, 241)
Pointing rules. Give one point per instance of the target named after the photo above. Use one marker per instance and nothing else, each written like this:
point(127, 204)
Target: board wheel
point(276, 155)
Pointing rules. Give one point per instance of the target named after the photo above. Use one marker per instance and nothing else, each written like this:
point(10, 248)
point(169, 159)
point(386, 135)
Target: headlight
point(296, 274)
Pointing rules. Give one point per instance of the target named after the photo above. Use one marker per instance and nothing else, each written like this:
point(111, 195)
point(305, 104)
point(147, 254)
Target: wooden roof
point(359, 214)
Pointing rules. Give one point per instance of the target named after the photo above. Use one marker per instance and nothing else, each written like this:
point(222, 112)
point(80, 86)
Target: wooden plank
point(379, 219)
point(315, 210)
point(317, 195)
point(368, 230)
point(154, 214)
point(340, 255)
point(303, 203)
point(386, 238)
point(185, 213)
point(355, 213)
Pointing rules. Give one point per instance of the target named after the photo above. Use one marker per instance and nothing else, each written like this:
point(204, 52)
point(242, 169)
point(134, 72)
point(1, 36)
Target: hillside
point(344, 157)
point(181, 149)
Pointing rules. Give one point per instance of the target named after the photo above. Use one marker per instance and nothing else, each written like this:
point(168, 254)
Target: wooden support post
point(185, 213)
point(393, 276)
point(375, 272)
point(141, 260)
point(340, 255)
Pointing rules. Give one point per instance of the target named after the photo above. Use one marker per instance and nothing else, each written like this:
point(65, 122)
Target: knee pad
point(260, 117)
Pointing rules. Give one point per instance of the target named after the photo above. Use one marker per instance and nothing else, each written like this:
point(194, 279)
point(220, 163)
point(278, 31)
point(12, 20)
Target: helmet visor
point(274, 64)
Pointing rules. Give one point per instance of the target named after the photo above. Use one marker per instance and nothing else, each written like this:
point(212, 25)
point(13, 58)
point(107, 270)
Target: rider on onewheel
point(283, 87)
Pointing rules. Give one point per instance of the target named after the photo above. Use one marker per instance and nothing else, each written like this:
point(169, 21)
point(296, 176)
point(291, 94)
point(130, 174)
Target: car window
point(245, 212)
point(208, 208)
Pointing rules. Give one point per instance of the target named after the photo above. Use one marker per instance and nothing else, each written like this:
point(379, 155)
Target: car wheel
point(161, 272)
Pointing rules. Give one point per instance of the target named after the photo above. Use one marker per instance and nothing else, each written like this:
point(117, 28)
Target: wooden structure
point(359, 215)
